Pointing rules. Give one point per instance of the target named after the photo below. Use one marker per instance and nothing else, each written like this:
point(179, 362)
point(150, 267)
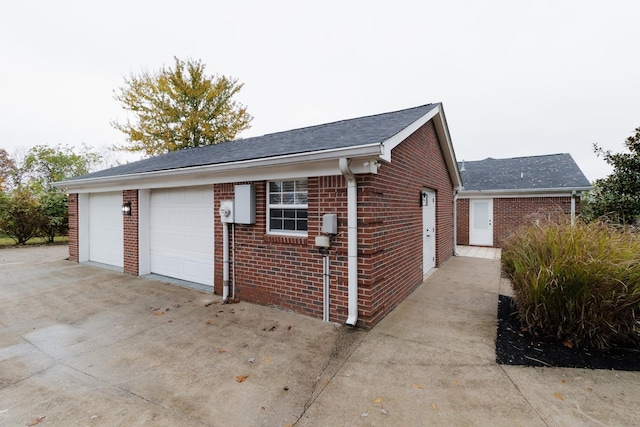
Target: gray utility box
point(245, 204)
point(330, 223)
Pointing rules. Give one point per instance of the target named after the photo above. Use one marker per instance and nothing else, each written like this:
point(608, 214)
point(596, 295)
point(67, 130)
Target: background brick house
point(500, 195)
point(390, 179)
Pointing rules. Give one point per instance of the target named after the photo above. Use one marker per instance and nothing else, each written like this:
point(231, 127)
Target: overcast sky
point(516, 78)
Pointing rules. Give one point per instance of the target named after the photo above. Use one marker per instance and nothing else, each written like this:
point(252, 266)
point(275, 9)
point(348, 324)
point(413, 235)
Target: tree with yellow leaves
point(179, 107)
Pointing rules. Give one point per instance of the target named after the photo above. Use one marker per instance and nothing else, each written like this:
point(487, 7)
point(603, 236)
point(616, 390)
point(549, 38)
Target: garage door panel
point(181, 233)
point(105, 229)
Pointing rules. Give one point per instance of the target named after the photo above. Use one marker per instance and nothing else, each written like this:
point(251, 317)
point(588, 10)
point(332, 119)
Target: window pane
point(275, 186)
point(289, 213)
point(481, 215)
point(302, 224)
point(276, 213)
point(275, 198)
point(289, 224)
point(288, 198)
point(288, 186)
point(275, 224)
point(301, 185)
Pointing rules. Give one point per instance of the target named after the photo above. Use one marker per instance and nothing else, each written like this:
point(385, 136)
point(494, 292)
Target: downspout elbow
point(352, 241)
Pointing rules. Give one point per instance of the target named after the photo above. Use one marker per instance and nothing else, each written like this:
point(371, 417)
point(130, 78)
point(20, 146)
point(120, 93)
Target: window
point(287, 206)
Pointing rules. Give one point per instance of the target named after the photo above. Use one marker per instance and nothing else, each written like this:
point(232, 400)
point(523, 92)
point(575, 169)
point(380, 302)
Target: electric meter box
point(330, 223)
point(226, 211)
point(245, 204)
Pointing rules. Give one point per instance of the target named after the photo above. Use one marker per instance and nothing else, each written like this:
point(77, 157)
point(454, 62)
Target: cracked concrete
point(80, 345)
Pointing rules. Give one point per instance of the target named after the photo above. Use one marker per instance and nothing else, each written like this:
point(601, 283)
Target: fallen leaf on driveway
point(221, 351)
point(209, 321)
point(434, 407)
point(384, 411)
point(418, 386)
point(378, 400)
point(158, 313)
point(567, 344)
point(558, 395)
point(35, 421)
point(241, 378)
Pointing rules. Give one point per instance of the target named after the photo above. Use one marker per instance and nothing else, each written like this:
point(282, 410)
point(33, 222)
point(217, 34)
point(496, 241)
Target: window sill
point(281, 238)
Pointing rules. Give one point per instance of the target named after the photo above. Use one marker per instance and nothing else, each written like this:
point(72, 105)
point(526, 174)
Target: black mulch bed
point(517, 347)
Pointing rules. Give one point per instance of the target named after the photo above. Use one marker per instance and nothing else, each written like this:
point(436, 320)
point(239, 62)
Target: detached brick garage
point(500, 195)
point(390, 180)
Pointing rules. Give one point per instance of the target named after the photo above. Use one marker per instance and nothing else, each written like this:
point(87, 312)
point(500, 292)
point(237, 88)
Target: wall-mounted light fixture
point(126, 208)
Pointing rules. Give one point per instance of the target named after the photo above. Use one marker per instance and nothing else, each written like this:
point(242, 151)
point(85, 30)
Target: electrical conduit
point(225, 261)
point(352, 241)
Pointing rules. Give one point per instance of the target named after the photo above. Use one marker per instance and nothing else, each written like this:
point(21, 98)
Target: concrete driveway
point(80, 345)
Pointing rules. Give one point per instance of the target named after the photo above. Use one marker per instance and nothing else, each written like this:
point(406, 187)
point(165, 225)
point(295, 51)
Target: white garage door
point(105, 229)
point(181, 233)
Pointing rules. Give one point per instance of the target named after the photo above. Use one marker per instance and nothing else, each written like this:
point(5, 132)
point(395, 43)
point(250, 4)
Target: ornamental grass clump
point(580, 283)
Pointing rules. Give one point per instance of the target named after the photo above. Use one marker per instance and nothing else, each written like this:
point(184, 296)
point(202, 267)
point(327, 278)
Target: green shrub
point(580, 284)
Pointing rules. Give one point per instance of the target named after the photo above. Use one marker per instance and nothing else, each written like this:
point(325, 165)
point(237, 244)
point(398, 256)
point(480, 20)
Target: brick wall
point(287, 271)
point(511, 213)
point(73, 227)
point(130, 229)
point(462, 222)
point(390, 239)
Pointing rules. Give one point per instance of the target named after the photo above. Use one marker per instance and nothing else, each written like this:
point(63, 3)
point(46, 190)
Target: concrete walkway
point(431, 362)
point(85, 346)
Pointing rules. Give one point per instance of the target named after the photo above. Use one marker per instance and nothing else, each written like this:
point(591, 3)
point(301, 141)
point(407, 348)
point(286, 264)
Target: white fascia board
point(528, 192)
point(323, 163)
point(389, 144)
point(442, 132)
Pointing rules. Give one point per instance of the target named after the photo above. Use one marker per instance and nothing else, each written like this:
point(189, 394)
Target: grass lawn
point(7, 241)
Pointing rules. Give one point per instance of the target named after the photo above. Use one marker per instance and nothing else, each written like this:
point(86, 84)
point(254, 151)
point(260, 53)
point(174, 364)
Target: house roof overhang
point(524, 192)
point(444, 138)
point(363, 159)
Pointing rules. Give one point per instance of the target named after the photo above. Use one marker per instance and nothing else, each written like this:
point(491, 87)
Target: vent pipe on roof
point(352, 241)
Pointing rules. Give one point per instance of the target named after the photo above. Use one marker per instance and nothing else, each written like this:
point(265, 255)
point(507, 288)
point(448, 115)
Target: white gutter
point(300, 158)
point(456, 192)
point(524, 192)
point(573, 207)
point(352, 241)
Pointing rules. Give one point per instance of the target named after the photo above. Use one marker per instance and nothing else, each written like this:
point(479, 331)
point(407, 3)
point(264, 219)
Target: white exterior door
point(428, 230)
point(181, 241)
point(481, 222)
point(105, 229)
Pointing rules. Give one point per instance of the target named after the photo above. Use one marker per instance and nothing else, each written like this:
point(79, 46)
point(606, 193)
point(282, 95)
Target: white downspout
point(225, 261)
point(573, 207)
point(456, 192)
point(352, 241)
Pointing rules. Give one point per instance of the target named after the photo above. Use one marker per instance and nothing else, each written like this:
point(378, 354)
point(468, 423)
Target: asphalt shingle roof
point(342, 134)
point(536, 172)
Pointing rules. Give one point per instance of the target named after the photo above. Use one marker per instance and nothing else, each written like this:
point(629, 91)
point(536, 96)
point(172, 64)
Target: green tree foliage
point(21, 216)
point(55, 221)
point(44, 165)
point(179, 107)
point(31, 206)
point(617, 196)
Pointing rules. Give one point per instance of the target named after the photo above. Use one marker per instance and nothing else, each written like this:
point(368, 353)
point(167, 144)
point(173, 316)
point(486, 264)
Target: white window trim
point(286, 206)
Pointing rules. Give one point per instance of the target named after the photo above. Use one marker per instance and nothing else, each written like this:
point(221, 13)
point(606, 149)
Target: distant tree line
point(30, 207)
